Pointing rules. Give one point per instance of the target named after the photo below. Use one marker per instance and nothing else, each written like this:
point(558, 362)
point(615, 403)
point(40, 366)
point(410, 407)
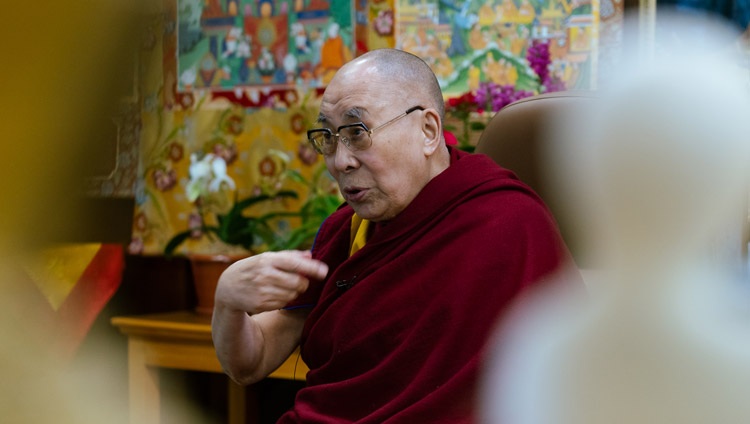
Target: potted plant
point(323, 198)
point(223, 217)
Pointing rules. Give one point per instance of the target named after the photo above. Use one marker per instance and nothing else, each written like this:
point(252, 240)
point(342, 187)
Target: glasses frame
point(344, 140)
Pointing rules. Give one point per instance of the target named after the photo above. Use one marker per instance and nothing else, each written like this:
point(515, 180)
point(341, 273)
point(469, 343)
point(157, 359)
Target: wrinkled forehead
point(347, 102)
point(355, 93)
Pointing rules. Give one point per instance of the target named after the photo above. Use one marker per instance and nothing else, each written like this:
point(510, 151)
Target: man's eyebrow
point(353, 113)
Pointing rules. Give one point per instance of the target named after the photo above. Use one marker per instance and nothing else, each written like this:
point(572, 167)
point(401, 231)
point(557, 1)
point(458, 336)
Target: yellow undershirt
point(358, 233)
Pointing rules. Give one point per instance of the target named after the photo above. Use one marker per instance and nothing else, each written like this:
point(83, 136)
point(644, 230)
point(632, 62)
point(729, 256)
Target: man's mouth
point(354, 194)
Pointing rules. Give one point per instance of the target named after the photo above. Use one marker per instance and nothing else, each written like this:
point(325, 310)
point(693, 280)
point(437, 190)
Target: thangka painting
point(375, 24)
point(223, 44)
point(466, 42)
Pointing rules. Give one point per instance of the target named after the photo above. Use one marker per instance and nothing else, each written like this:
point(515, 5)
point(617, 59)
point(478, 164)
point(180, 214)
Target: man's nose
point(343, 159)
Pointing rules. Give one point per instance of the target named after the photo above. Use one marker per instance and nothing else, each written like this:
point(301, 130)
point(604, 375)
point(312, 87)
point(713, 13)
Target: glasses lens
point(322, 140)
point(355, 137)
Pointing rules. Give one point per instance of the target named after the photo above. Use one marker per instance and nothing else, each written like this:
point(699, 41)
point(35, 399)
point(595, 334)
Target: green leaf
point(177, 240)
point(172, 134)
point(244, 237)
point(478, 126)
point(246, 203)
point(296, 176)
point(266, 233)
point(274, 215)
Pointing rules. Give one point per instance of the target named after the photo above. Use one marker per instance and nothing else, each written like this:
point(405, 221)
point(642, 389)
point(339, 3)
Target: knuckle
point(302, 285)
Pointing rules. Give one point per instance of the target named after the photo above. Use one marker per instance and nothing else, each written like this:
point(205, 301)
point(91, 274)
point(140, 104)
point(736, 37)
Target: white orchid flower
point(200, 169)
point(200, 175)
point(207, 175)
point(219, 167)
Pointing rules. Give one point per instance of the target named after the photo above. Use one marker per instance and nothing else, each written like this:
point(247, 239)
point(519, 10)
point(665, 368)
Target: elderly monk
point(394, 305)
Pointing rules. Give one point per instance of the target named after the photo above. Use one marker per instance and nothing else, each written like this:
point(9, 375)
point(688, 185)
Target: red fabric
point(404, 343)
point(94, 289)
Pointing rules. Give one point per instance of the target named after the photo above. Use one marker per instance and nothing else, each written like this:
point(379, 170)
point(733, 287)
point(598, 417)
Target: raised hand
point(268, 281)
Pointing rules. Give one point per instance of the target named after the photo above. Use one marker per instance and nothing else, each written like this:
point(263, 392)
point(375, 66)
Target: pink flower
point(235, 124)
point(164, 179)
point(136, 246)
point(384, 23)
point(465, 101)
point(291, 97)
point(306, 153)
point(298, 123)
point(450, 139)
point(228, 152)
point(195, 223)
point(140, 221)
point(186, 100)
point(267, 167)
point(176, 151)
point(538, 57)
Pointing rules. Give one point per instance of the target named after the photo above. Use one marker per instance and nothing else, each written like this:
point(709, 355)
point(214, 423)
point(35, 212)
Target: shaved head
point(405, 71)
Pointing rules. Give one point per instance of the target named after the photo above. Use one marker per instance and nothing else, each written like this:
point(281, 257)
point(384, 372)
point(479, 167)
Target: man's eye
point(357, 132)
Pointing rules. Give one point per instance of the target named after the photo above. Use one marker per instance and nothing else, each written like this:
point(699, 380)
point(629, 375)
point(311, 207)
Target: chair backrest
point(518, 137)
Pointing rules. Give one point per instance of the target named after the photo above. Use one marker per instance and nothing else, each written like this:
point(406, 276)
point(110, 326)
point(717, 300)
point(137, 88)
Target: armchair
point(518, 138)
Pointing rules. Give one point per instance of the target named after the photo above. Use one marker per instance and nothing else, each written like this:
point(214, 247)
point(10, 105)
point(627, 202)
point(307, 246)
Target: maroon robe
point(397, 331)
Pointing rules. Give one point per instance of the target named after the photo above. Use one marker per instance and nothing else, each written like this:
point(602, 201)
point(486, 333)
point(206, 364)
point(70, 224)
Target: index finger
point(302, 263)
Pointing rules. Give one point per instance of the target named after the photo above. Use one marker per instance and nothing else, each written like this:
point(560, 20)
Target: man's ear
point(431, 129)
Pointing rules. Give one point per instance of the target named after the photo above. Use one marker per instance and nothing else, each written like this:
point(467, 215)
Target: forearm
point(238, 341)
point(249, 348)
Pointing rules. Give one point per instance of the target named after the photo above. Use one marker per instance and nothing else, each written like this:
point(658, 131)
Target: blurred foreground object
point(663, 169)
point(68, 65)
point(56, 109)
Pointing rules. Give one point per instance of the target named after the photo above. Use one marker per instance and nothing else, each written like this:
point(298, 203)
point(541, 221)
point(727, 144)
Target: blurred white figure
point(666, 335)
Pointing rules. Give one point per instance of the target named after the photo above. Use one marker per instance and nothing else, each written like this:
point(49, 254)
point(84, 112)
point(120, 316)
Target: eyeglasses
point(354, 136)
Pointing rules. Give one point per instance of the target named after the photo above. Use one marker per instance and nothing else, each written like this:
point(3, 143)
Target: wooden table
point(179, 340)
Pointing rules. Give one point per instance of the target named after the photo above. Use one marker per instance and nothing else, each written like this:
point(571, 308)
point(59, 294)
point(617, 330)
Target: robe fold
point(398, 330)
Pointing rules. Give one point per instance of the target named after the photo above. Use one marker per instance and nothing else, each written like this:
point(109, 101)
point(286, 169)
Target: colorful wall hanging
point(209, 88)
point(222, 44)
point(468, 42)
point(375, 25)
point(257, 131)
